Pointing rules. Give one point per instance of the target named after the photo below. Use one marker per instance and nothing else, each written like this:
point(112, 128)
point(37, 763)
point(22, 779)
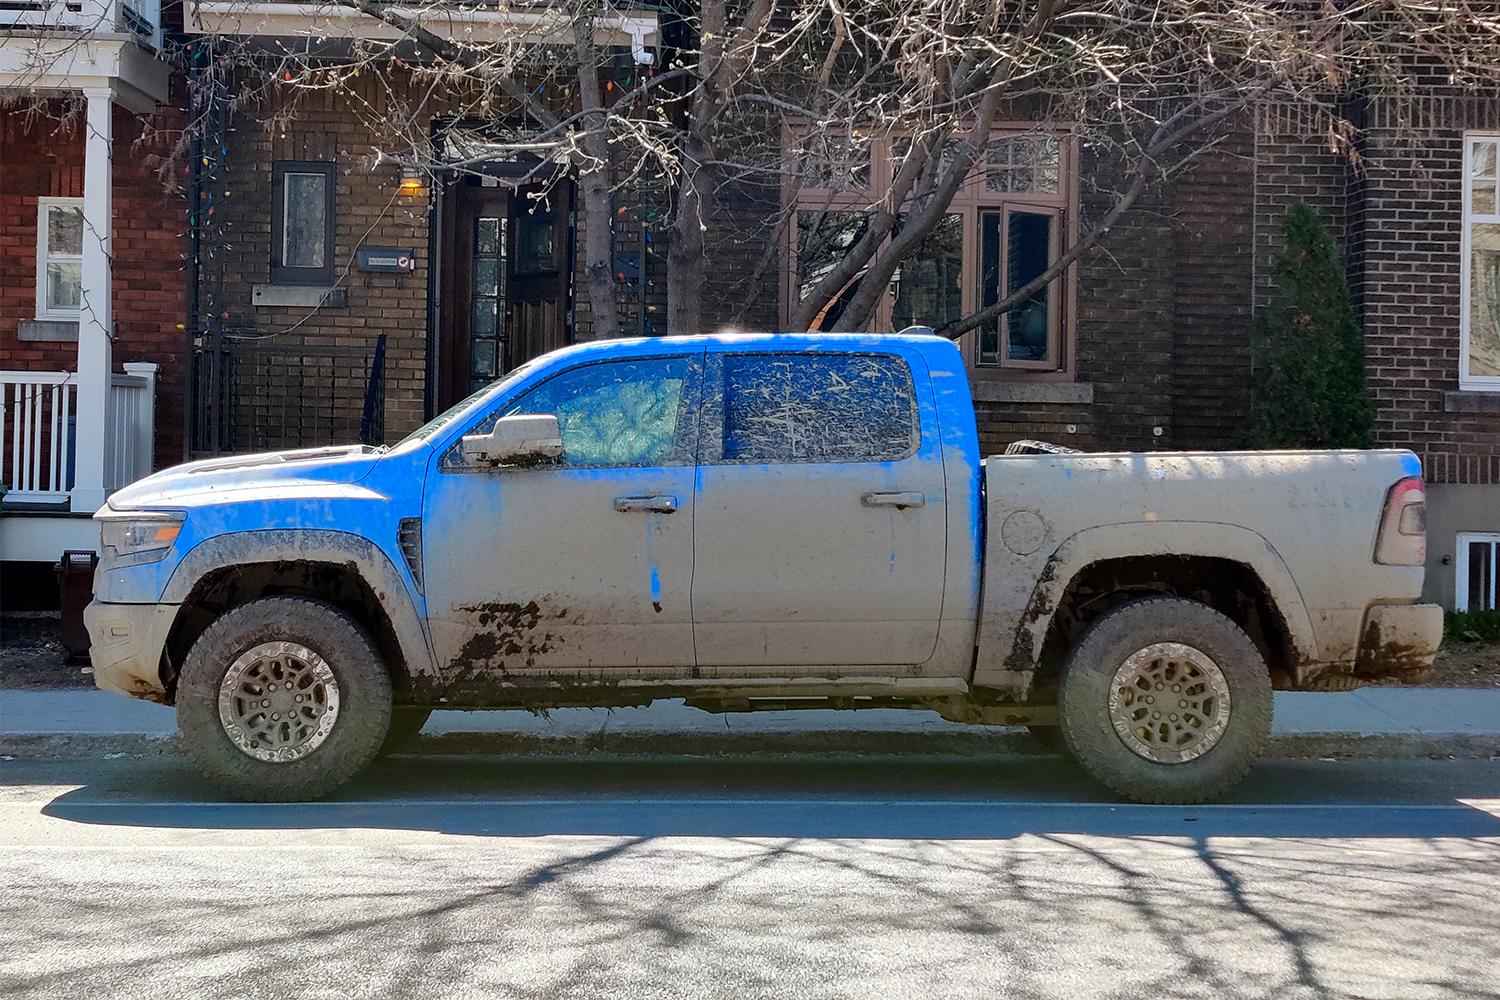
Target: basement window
point(1475, 588)
point(301, 223)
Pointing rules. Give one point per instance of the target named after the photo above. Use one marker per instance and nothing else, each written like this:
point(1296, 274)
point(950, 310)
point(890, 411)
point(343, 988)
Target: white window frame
point(1490, 383)
point(1461, 567)
point(42, 256)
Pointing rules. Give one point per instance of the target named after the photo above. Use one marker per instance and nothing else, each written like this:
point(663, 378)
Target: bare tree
point(1145, 87)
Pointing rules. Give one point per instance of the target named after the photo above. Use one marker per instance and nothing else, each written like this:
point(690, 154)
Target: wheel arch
point(344, 569)
point(1230, 568)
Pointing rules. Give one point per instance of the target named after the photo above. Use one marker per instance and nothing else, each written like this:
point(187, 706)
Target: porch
point(39, 445)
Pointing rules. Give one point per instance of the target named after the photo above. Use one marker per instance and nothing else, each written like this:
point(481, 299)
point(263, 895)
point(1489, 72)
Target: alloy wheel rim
point(1169, 703)
point(278, 701)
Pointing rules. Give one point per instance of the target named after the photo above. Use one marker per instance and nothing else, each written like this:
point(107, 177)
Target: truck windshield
point(443, 419)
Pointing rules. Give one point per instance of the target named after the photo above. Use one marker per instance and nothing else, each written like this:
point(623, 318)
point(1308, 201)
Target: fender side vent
point(409, 535)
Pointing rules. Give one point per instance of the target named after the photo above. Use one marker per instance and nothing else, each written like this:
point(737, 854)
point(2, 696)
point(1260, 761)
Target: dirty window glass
point(817, 408)
point(622, 413)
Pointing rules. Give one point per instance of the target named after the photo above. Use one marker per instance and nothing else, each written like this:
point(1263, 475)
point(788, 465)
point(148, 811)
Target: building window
point(301, 223)
point(1479, 357)
point(59, 258)
point(1005, 227)
point(1477, 562)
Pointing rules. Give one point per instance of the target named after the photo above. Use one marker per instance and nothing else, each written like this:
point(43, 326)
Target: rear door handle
point(658, 504)
point(900, 501)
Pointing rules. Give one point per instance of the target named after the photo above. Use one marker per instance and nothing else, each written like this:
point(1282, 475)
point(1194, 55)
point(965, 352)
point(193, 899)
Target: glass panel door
point(487, 301)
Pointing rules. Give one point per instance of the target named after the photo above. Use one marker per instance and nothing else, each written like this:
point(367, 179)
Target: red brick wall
point(43, 157)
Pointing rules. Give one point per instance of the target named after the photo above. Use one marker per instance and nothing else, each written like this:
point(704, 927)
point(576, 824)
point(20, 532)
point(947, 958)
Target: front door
point(582, 569)
point(821, 522)
point(504, 283)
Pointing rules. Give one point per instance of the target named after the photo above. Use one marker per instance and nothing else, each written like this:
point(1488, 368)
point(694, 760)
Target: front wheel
point(1166, 700)
point(283, 699)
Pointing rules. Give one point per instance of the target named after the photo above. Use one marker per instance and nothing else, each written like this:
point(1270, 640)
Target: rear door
point(821, 524)
point(582, 568)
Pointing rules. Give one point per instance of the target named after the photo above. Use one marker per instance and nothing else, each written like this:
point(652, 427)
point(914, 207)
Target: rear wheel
point(283, 699)
point(1166, 700)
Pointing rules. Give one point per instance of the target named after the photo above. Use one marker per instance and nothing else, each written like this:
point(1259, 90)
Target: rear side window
point(806, 408)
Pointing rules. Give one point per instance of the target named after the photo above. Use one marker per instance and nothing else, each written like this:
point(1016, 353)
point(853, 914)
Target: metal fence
point(267, 395)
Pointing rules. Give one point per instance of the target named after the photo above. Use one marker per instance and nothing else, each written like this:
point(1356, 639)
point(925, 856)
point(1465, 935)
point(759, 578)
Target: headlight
point(137, 536)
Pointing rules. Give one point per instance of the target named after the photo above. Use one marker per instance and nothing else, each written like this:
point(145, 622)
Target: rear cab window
point(766, 408)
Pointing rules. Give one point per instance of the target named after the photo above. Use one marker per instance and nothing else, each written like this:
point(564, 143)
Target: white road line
point(926, 803)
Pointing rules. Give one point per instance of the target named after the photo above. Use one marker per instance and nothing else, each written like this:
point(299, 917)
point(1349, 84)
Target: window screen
point(781, 408)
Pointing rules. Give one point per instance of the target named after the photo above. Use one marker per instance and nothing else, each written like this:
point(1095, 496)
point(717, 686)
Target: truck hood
point(305, 472)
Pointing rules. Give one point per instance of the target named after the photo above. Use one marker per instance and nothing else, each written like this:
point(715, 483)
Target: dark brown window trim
point(281, 275)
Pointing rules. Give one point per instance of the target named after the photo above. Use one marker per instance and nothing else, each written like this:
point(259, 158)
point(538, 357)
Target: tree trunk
point(593, 178)
point(685, 272)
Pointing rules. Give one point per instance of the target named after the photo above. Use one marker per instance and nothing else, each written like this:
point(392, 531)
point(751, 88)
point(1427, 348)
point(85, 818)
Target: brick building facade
point(42, 162)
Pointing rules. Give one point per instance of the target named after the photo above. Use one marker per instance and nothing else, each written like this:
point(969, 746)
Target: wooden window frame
point(972, 199)
point(281, 274)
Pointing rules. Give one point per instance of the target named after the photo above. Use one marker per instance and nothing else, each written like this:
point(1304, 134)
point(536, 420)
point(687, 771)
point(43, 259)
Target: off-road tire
point(364, 690)
point(406, 723)
point(1088, 676)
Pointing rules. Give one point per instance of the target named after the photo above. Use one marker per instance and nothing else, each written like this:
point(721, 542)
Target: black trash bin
point(75, 589)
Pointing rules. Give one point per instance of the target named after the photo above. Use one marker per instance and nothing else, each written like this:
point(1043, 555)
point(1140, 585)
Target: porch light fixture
point(411, 181)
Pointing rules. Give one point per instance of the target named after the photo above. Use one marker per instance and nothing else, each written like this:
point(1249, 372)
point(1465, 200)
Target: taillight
point(1403, 525)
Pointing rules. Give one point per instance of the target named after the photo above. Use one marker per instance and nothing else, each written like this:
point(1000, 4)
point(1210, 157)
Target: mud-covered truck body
point(747, 523)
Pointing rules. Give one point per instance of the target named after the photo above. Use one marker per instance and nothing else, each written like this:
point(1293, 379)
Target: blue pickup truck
point(749, 523)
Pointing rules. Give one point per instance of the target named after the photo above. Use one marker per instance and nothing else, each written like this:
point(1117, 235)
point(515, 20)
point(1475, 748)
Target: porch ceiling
point(32, 64)
point(322, 20)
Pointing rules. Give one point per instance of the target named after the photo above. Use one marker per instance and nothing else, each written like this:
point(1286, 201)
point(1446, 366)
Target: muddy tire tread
point(1084, 692)
point(364, 693)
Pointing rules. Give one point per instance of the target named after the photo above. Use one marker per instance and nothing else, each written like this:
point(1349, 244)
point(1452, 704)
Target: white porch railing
point(39, 432)
point(143, 17)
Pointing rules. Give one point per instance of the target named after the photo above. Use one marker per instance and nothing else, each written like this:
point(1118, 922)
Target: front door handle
point(658, 504)
point(900, 501)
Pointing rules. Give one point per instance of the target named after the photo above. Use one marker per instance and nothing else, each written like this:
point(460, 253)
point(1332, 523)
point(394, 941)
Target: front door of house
point(504, 283)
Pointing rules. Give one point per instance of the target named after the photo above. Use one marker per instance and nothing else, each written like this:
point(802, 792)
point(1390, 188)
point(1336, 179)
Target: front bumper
point(126, 643)
point(1399, 640)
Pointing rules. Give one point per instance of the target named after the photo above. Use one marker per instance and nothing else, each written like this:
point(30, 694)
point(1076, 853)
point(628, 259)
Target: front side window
point(302, 223)
point(59, 257)
point(1475, 584)
point(1480, 355)
point(613, 414)
point(801, 408)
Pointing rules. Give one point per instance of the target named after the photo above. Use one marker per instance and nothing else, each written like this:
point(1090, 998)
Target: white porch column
point(95, 320)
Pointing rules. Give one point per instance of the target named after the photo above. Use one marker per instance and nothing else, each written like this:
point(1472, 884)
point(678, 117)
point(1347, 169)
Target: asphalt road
point(450, 878)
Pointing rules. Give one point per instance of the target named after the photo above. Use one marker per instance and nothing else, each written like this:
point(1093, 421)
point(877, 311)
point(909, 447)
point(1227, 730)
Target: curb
point(815, 745)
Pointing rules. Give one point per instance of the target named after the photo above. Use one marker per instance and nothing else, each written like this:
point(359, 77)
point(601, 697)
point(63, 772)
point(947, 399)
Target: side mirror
point(519, 439)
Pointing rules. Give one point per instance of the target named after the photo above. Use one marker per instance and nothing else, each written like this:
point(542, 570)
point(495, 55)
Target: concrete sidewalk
point(1367, 712)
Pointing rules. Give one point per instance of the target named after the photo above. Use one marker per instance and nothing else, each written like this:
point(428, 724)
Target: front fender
point(1012, 630)
point(322, 546)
